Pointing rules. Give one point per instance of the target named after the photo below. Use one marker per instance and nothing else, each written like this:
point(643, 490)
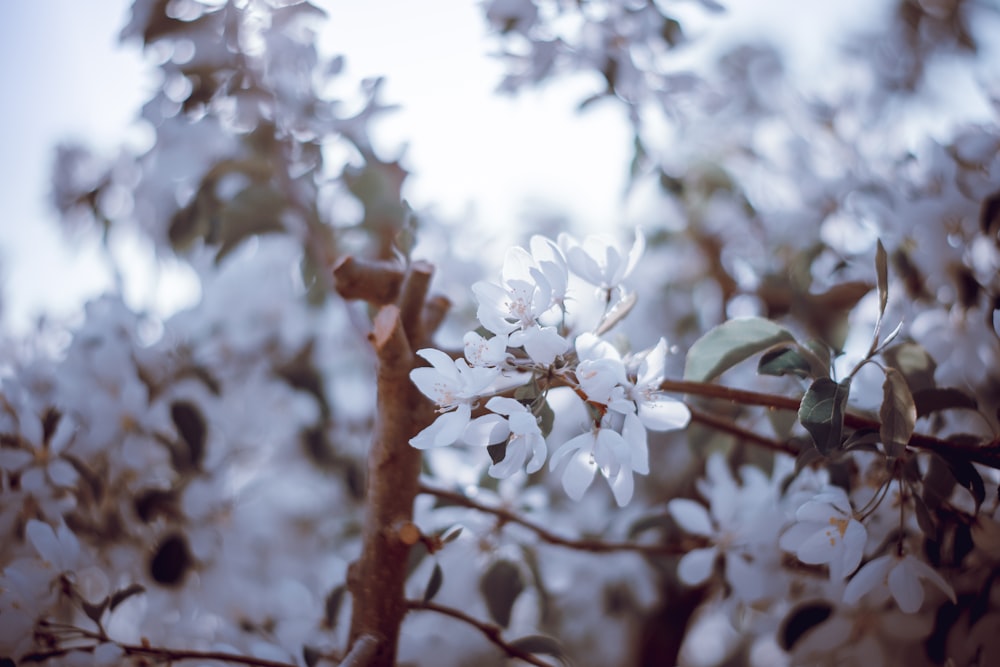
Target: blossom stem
point(593, 546)
point(490, 631)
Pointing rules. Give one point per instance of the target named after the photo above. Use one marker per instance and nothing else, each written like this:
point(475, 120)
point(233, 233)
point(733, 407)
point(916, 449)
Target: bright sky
point(474, 154)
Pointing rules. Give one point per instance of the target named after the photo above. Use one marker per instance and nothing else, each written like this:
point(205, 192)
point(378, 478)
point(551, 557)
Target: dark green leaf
point(938, 482)
point(822, 412)
point(191, 427)
point(924, 518)
point(540, 644)
point(914, 363)
point(967, 475)
point(434, 583)
point(784, 360)
point(546, 418)
point(500, 586)
point(933, 400)
point(862, 438)
point(730, 343)
point(94, 611)
point(451, 534)
point(882, 277)
point(898, 413)
point(255, 210)
point(331, 606)
point(417, 553)
point(311, 655)
point(801, 620)
point(124, 594)
point(171, 561)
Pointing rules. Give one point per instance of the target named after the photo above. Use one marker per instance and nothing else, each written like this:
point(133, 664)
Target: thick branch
point(377, 283)
point(490, 631)
point(594, 546)
point(411, 301)
point(377, 579)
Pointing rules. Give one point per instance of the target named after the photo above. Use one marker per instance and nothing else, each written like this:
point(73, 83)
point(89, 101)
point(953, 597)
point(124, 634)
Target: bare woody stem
point(376, 580)
point(987, 454)
point(160, 654)
point(490, 631)
point(593, 546)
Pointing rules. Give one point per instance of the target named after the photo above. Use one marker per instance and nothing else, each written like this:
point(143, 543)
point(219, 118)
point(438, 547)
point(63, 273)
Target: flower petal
point(696, 566)
point(579, 474)
point(692, 517)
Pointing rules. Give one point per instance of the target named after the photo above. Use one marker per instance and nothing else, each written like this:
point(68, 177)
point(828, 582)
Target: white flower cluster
point(529, 349)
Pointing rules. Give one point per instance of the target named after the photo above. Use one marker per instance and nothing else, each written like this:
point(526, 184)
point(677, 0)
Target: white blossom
point(898, 576)
point(826, 533)
point(453, 385)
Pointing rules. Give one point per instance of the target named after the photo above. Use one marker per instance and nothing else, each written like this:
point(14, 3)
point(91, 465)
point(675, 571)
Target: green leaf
point(546, 418)
point(914, 363)
point(255, 210)
point(730, 343)
point(822, 413)
point(540, 644)
point(190, 426)
point(311, 655)
point(785, 359)
point(801, 620)
point(417, 554)
point(898, 413)
point(124, 594)
point(450, 534)
point(331, 606)
point(967, 475)
point(933, 400)
point(94, 611)
point(924, 519)
point(500, 586)
point(882, 277)
point(434, 583)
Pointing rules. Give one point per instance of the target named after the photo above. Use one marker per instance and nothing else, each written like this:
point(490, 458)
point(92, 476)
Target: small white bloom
point(453, 385)
point(485, 352)
point(602, 449)
point(900, 576)
point(521, 432)
point(826, 532)
point(599, 261)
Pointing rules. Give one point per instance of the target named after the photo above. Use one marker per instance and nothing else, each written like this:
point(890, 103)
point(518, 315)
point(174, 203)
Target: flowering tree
point(326, 462)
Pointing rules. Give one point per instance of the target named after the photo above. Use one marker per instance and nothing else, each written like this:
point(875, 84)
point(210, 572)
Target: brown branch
point(490, 631)
point(362, 651)
point(593, 546)
point(743, 434)
point(166, 654)
point(372, 281)
point(987, 454)
point(376, 580)
point(411, 301)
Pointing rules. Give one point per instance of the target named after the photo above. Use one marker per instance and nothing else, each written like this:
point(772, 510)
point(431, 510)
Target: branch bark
point(377, 579)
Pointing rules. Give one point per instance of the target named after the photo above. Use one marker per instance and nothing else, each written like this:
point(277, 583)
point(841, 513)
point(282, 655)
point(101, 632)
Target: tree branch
point(744, 434)
point(164, 654)
point(593, 546)
point(372, 281)
point(376, 580)
point(490, 631)
point(987, 454)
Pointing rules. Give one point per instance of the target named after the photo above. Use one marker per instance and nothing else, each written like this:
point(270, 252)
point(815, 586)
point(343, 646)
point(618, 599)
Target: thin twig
point(744, 434)
point(593, 546)
point(490, 631)
point(169, 655)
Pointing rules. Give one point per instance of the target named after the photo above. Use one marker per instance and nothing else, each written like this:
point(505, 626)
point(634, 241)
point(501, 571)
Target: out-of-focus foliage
point(197, 482)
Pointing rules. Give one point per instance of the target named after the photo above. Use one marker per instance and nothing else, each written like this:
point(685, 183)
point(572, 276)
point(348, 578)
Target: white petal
point(513, 460)
point(543, 344)
point(696, 566)
point(906, 587)
point(653, 366)
point(692, 517)
point(819, 512)
point(579, 474)
point(664, 414)
point(440, 361)
point(635, 436)
point(62, 473)
point(925, 571)
point(793, 538)
point(486, 430)
point(871, 575)
point(855, 539)
point(43, 539)
point(504, 405)
point(582, 441)
point(819, 548)
point(622, 486)
point(538, 451)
